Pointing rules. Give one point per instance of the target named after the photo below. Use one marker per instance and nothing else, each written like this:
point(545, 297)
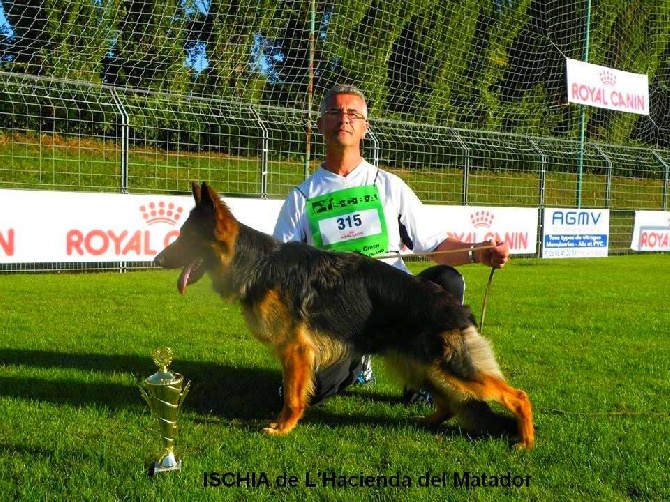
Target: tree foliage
point(490, 65)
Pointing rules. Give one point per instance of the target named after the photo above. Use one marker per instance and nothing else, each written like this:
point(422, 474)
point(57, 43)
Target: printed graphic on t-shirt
point(349, 220)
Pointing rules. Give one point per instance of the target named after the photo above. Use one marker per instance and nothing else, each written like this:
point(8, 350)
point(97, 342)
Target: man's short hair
point(343, 89)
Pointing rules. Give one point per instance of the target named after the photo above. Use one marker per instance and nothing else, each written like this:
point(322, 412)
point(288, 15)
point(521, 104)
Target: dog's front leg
point(297, 360)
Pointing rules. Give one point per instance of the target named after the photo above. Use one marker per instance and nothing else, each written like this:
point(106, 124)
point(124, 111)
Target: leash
point(486, 300)
point(397, 254)
point(555, 411)
point(450, 251)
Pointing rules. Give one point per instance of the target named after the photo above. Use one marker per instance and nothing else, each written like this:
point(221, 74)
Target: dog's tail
point(477, 357)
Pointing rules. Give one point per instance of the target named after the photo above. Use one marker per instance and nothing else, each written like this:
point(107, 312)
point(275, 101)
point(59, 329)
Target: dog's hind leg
point(443, 411)
point(416, 375)
point(297, 359)
point(494, 388)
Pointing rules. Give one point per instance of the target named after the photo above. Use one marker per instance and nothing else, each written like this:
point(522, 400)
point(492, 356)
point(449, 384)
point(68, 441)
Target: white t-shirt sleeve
point(289, 225)
point(425, 233)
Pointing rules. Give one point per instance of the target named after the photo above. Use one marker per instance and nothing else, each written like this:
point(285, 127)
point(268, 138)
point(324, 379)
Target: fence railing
point(81, 137)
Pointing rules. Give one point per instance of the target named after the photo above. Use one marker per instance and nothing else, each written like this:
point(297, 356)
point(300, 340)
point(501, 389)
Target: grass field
point(589, 340)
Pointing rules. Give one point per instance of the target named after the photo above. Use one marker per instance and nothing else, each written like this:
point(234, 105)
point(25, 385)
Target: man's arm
point(491, 253)
point(288, 225)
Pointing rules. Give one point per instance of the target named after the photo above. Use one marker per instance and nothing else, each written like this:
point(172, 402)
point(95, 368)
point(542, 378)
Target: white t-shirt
point(402, 210)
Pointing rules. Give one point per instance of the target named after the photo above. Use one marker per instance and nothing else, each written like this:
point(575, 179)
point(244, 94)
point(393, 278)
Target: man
point(350, 205)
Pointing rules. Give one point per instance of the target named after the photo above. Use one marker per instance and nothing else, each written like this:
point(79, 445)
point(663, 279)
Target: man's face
point(344, 122)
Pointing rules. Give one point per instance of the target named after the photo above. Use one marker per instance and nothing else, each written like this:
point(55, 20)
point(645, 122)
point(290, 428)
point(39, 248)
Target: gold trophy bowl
point(164, 392)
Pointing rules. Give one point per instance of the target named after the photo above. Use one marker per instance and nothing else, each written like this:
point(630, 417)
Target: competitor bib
point(349, 220)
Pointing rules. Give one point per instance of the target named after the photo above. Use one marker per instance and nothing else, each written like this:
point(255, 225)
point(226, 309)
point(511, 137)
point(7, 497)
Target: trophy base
point(157, 468)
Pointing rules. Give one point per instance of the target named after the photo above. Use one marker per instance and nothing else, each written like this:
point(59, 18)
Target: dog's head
point(205, 241)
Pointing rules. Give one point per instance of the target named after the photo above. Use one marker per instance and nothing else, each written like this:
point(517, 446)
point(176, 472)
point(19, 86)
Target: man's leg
point(332, 379)
point(448, 278)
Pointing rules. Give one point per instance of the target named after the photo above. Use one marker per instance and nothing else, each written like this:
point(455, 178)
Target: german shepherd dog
point(312, 307)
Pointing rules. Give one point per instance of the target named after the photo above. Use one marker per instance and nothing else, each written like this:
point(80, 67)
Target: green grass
point(587, 339)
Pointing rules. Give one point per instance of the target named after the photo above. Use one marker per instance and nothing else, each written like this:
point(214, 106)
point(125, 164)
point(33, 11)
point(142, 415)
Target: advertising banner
point(515, 225)
point(604, 87)
point(652, 231)
point(575, 233)
point(45, 226)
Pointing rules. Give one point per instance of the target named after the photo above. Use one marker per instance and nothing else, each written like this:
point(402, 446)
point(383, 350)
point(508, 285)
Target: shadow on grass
point(229, 392)
point(484, 422)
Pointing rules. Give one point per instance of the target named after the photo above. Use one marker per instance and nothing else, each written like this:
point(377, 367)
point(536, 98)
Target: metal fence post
point(608, 186)
point(666, 179)
point(310, 87)
point(265, 150)
point(582, 121)
point(125, 139)
point(466, 166)
point(375, 147)
point(542, 190)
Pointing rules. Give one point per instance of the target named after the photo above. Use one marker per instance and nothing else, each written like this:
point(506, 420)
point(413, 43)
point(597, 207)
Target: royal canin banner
point(514, 225)
point(652, 231)
point(604, 87)
point(45, 226)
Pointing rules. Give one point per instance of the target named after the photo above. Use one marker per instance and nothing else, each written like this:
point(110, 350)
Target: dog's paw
point(434, 419)
point(524, 445)
point(425, 422)
point(422, 419)
point(274, 429)
point(271, 431)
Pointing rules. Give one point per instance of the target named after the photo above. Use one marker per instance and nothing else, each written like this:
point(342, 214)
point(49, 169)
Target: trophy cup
point(164, 392)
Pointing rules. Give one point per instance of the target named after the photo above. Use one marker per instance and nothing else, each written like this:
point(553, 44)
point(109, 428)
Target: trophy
point(164, 392)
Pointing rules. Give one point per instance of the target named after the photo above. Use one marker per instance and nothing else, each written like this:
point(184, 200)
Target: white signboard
point(45, 226)
point(575, 233)
point(604, 87)
point(514, 225)
point(652, 231)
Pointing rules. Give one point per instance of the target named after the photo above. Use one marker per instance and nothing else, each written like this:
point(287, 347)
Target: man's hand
point(492, 253)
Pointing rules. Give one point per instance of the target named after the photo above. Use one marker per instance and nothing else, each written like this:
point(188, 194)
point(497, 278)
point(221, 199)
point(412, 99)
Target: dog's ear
point(214, 207)
point(195, 189)
point(207, 195)
point(210, 202)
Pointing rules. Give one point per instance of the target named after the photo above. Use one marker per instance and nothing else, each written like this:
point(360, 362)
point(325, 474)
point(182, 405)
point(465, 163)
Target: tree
point(147, 46)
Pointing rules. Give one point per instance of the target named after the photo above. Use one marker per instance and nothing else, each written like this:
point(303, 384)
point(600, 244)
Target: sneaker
point(365, 376)
point(411, 396)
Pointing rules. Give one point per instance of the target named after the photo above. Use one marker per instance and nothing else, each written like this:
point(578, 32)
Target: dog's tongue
point(182, 282)
point(185, 276)
point(190, 273)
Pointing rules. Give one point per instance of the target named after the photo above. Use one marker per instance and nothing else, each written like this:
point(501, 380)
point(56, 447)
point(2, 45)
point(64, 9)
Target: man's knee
point(448, 278)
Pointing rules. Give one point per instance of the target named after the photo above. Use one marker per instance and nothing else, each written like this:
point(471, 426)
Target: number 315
point(352, 220)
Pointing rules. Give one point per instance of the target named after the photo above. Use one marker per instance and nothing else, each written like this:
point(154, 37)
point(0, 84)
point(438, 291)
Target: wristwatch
point(471, 253)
